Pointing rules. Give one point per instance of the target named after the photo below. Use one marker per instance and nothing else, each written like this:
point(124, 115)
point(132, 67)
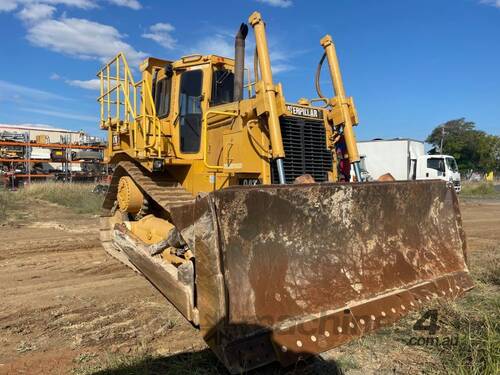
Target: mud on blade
point(291, 270)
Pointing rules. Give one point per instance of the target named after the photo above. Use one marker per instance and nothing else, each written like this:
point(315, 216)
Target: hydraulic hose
point(317, 76)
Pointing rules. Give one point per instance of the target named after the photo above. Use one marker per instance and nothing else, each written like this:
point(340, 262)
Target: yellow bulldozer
point(233, 203)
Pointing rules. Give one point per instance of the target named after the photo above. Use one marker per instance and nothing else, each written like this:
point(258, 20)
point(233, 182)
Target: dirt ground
point(64, 302)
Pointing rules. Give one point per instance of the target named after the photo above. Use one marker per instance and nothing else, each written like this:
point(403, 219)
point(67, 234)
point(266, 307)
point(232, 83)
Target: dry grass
point(4, 205)
point(480, 189)
point(474, 319)
point(78, 197)
point(194, 363)
point(486, 266)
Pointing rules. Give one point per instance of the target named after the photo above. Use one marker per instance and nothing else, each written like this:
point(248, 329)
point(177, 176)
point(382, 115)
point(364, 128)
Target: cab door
point(190, 112)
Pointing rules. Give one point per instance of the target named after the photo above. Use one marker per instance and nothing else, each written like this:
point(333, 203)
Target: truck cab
point(443, 167)
point(405, 159)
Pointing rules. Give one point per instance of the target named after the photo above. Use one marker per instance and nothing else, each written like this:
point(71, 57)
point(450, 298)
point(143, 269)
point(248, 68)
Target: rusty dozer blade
point(286, 271)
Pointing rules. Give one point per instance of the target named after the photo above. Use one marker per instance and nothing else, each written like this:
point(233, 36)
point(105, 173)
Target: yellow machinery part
point(150, 229)
point(169, 256)
point(129, 196)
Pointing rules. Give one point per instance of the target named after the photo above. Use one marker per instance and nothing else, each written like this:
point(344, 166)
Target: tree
point(473, 149)
point(493, 154)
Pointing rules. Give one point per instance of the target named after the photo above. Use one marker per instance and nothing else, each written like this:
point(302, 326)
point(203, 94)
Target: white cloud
point(277, 3)
point(493, 3)
point(222, 44)
point(91, 84)
point(161, 33)
point(61, 114)
point(27, 124)
point(9, 90)
point(83, 39)
point(132, 4)
point(82, 4)
point(217, 44)
point(8, 5)
point(76, 37)
point(280, 68)
point(34, 12)
point(279, 60)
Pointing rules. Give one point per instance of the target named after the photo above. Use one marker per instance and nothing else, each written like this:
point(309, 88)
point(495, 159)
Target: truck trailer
point(405, 159)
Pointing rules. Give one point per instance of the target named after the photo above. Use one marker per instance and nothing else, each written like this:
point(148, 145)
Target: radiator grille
point(304, 141)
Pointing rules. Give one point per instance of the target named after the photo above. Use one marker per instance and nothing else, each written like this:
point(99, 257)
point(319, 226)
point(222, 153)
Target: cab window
point(452, 164)
point(190, 99)
point(162, 96)
point(222, 87)
point(436, 163)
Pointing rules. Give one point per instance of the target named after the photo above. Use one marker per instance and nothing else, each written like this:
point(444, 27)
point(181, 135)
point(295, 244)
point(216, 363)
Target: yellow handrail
point(204, 129)
point(111, 74)
point(156, 122)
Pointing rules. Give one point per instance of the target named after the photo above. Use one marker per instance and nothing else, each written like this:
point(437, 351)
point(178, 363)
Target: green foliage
point(473, 149)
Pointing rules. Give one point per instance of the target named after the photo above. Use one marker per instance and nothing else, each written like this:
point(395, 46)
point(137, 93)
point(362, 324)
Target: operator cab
point(183, 89)
point(191, 98)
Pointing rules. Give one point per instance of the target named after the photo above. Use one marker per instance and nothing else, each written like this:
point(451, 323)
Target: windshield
point(451, 164)
point(222, 87)
point(436, 163)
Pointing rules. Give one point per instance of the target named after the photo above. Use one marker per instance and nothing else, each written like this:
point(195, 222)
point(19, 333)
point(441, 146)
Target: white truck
point(405, 159)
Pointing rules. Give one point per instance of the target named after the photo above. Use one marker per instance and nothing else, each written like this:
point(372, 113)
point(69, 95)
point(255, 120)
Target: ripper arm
point(343, 107)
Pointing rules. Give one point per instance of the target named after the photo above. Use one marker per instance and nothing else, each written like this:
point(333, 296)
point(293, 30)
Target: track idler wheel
point(130, 198)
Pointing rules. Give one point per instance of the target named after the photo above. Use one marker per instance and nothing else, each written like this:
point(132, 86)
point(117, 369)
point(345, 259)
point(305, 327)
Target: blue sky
point(410, 65)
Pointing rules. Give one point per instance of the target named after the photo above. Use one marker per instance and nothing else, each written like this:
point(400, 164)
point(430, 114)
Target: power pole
point(442, 140)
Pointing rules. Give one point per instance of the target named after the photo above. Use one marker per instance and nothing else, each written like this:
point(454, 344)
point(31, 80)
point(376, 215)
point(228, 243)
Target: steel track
point(163, 190)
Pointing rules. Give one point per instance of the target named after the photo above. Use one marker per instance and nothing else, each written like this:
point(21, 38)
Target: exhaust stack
point(239, 62)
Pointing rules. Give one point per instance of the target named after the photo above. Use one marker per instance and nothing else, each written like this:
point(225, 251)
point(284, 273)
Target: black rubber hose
point(317, 76)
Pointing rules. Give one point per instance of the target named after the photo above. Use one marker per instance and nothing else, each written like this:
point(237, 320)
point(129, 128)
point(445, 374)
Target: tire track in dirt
point(62, 296)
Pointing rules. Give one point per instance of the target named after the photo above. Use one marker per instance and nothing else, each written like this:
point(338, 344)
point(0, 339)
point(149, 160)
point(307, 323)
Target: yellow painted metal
point(118, 102)
point(169, 256)
point(205, 134)
point(150, 229)
point(238, 140)
point(130, 198)
point(266, 86)
point(340, 100)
